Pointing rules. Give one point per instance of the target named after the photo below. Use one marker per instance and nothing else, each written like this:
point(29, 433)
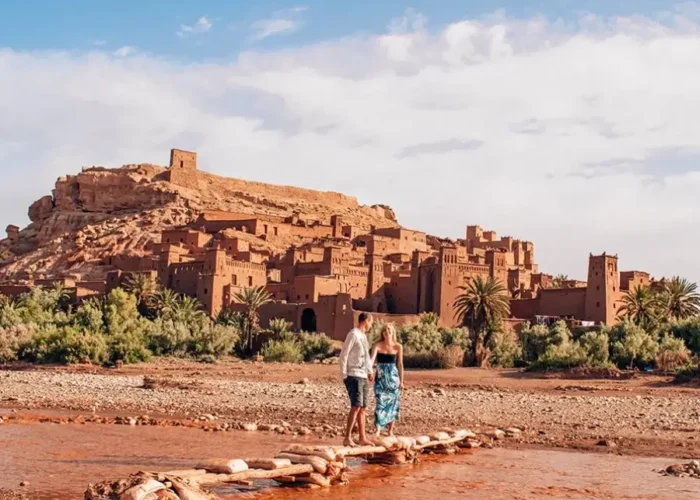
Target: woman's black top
point(386, 358)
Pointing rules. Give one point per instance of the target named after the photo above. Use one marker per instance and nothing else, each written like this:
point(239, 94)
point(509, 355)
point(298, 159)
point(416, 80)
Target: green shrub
point(282, 351)
point(315, 346)
point(689, 331)
point(596, 347)
point(635, 347)
point(505, 350)
point(129, 346)
point(456, 336)
point(450, 357)
point(425, 360)
point(12, 339)
point(169, 338)
point(213, 340)
point(673, 354)
point(534, 341)
point(687, 374)
point(421, 337)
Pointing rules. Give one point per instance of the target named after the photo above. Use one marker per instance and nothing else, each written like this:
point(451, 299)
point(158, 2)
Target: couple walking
point(357, 370)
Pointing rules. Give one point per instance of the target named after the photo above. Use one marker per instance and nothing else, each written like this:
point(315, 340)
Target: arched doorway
point(308, 320)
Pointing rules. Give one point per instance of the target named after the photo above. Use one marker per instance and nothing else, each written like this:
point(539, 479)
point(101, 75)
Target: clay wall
point(402, 294)
point(12, 290)
point(309, 288)
point(629, 280)
point(562, 302)
point(184, 277)
point(407, 240)
point(195, 239)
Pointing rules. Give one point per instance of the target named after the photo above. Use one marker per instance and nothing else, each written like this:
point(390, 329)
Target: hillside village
point(322, 260)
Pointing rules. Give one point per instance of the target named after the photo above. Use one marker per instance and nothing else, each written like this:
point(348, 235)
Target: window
point(597, 287)
point(206, 291)
point(182, 164)
point(265, 228)
point(275, 230)
point(597, 304)
point(234, 279)
point(250, 281)
point(307, 296)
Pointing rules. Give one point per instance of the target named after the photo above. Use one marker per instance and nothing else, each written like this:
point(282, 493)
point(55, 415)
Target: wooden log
point(189, 492)
point(319, 464)
point(325, 452)
point(143, 490)
point(292, 470)
point(184, 474)
point(222, 465)
point(360, 451)
point(267, 463)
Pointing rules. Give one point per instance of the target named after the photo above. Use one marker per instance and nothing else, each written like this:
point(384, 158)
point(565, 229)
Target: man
point(356, 370)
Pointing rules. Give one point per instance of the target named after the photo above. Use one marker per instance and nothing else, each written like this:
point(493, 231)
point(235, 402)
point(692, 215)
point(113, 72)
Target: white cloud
point(125, 51)
point(282, 22)
point(580, 136)
point(98, 43)
point(203, 25)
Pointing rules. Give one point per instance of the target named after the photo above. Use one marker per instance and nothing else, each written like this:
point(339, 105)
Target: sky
point(572, 124)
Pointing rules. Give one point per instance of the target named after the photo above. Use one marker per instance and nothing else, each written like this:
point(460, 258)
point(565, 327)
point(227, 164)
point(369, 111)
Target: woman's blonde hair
point(389, 327)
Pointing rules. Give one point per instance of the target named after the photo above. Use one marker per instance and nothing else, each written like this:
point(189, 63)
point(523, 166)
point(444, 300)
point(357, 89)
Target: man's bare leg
point(390, 428)
point(352, 419)
point(361, 421)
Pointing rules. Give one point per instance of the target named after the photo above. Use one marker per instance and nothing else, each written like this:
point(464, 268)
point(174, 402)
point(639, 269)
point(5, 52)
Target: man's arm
point(345, 354)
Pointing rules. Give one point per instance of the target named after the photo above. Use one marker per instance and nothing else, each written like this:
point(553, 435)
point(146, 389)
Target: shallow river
point(58, 461)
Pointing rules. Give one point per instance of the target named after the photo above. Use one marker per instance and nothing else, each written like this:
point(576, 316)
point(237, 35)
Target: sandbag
point(388, 442)
point(223, 465)
point(439, 436)
point(267, 463)
point(325, 452)
point(143, 490)
point(405, 443)
point(461, 433)
point(314, 478)
point(421, 440)
point(319, 464)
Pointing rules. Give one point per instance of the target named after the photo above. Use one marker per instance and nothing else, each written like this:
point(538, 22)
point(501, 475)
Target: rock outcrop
point(103, 212)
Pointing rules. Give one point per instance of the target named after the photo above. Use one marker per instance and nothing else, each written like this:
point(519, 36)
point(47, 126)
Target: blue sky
point(569, 123)
point(153, 25)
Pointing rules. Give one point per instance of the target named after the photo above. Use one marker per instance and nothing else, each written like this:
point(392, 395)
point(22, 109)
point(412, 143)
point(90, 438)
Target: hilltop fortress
point(322, 256)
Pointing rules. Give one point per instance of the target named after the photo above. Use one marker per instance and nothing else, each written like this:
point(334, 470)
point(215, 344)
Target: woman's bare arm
point(400, 363)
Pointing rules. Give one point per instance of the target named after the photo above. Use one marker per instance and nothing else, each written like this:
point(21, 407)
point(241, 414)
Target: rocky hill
point(103, 212)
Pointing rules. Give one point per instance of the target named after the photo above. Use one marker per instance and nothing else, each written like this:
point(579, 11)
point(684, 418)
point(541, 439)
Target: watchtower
point(183, 168)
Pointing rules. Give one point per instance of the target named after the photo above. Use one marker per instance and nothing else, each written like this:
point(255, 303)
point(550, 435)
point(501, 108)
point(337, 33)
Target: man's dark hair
point(363, 317)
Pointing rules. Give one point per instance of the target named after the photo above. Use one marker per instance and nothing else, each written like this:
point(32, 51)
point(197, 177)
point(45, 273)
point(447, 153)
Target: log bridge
point(301, 466)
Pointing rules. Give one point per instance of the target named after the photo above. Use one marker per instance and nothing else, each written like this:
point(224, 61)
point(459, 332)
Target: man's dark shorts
point(358, 390)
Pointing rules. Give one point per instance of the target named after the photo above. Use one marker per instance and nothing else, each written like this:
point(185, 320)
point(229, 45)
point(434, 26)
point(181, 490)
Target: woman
point(389, 380)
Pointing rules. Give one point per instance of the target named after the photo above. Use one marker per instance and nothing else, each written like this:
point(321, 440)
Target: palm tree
point(164, 298)
point(640, 306)
point(185, 309)
point(144, 287)
point(483, 302)
point(681, 298)
point(253, 299)
point(279, 327)
point(559, 281)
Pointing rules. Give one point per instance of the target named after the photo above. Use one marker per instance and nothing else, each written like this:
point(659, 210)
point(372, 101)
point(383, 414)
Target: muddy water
point(58, 461)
